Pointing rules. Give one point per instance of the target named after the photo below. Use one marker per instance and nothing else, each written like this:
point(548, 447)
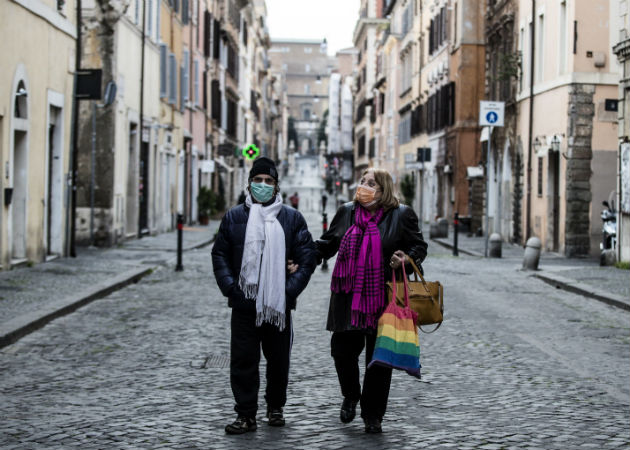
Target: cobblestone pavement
point(25, 290)
point(517, 364)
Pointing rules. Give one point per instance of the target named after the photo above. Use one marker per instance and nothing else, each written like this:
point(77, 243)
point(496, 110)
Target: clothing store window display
point(370, 235)
point(262, 258)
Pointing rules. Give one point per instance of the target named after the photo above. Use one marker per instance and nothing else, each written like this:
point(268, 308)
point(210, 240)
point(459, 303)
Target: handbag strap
point(394, 283)
point(417, 273)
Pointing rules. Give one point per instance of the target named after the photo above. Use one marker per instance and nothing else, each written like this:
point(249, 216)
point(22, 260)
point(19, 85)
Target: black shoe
point(372, 425)
point(276, 419)
point(348, 410)
point(241, 425)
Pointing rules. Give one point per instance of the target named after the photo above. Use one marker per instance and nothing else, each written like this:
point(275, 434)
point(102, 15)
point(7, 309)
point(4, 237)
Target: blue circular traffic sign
point(492, 117)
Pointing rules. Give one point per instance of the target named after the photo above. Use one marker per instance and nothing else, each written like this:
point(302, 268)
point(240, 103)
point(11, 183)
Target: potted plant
point(206, 203)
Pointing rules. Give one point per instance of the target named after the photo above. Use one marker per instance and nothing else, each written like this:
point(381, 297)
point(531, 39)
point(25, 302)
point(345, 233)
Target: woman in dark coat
point(372, 234)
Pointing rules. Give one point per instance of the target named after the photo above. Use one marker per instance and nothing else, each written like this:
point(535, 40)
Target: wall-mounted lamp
point(318, 80)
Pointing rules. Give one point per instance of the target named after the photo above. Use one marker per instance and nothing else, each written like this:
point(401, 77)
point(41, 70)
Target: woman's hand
point(292, 268)
point(397, 259)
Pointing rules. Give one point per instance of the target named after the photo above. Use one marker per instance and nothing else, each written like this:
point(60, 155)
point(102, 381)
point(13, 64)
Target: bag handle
point(417, 274)
point(394, 283)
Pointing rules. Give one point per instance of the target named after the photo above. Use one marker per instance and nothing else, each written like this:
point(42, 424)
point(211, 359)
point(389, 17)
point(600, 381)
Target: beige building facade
point(36, 96)
point(568, 136)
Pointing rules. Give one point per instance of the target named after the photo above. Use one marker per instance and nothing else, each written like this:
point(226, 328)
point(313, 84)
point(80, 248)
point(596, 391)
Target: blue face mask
point(262, 192)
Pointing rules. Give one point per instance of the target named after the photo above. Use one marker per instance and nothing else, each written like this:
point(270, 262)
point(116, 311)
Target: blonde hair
point(384, 180)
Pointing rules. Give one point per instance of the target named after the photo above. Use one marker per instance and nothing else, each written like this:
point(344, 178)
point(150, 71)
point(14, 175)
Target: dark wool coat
point(227, 255)
point(399, 230)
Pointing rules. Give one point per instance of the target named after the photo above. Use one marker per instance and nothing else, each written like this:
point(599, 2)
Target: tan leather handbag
point(425, 297)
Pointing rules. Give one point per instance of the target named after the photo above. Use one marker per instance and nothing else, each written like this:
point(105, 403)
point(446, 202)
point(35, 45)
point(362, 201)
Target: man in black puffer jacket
point(257, 242)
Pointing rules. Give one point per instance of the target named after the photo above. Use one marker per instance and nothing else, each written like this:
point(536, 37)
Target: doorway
point(554, 198)
point(54, 185)
point(131, 212)
point(18, 203)
point(143, 188)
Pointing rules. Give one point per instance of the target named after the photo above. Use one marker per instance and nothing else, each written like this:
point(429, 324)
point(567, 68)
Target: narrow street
point(516, 364)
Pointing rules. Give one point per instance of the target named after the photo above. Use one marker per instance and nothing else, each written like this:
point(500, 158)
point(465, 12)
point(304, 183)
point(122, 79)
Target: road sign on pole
point(491, 113)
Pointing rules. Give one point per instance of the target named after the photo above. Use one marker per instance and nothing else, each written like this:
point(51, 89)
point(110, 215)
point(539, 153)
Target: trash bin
point(495, 245)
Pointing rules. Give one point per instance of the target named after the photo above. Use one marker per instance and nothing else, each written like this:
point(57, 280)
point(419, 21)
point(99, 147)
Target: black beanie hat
point(265, 166)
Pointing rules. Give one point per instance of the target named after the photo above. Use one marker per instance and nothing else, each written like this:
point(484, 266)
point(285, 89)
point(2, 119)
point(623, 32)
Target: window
point(136, 16)
point(216, 39)
point(308, 50)
point(163, 77)
point(562, 56)
point(216, 100)
point(185, 78)
point(196, 81)
point(540, 45)
point(361, 147)
point(157, 21)
point(207, 21)
point(521, 47)
point(307, 89)
point(185, 12)
point(149, 17)
point(307, 68)
point(540, 177)
point(306, 115)
point(172, 78)
point(232, 113)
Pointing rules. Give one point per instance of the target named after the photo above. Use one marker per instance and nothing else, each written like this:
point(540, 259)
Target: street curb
point(447, 244)
point(22, 325)
point(583, 289)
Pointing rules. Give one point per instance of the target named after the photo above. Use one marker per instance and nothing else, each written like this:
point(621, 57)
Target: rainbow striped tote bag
point(397, 339)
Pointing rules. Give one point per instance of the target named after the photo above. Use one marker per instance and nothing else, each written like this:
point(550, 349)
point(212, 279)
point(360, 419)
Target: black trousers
point(246, 342)
point(346, 346)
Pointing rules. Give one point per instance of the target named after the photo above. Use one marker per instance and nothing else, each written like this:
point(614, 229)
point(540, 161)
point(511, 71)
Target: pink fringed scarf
point(359, 268)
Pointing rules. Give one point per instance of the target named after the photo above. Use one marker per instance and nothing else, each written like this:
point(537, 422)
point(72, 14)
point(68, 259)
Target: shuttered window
point(196, 81)
point(185, 78)
point(172, 78)
point(163, 71)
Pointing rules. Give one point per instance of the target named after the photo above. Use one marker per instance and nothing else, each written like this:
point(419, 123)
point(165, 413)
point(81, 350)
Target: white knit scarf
point(263, 267)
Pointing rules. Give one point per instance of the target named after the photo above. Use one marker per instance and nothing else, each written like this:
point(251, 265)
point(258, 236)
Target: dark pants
point(246, 342)
point(346, 346)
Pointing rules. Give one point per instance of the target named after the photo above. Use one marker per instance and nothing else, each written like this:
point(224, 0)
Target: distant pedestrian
point(252, 258)
point(295, 200)
point(241, 198)
point(324, 200)
point(373, 234)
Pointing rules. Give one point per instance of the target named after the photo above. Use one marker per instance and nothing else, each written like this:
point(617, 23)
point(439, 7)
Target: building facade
point(36, 97)
point(568, 133)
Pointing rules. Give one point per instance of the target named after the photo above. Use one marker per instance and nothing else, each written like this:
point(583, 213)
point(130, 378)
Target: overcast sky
point(314, 19)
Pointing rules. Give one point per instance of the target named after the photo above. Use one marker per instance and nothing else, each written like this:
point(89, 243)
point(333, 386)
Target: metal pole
point(180, 235)
point(74, 158)
point(92, 174)
point(455, 232)
point(488, 191)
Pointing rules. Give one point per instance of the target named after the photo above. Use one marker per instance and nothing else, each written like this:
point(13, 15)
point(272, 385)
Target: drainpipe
point(145, 182)
point(191, 94)
point(74, 156)
point(531, 124)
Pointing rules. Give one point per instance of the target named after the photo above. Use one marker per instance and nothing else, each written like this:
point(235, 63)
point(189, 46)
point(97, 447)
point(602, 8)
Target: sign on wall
point(491, 114)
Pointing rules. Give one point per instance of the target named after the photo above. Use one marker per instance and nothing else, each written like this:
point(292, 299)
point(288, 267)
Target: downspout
point(145, 182)
point(531, 124)
point(191, 94)
point(74, 157)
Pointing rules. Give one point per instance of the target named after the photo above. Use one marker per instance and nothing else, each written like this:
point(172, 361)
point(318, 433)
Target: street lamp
point(555, 143)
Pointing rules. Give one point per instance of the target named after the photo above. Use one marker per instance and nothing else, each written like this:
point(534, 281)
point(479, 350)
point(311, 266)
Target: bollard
point(455, 231)
point(532, 254)
point(180, 237)
point(324, 228)
point(495, 245)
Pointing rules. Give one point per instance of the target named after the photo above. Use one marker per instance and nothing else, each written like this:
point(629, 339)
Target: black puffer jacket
point(399, 230)
point(227, 254)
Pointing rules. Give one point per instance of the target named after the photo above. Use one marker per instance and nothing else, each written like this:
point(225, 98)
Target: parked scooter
point(609, 234)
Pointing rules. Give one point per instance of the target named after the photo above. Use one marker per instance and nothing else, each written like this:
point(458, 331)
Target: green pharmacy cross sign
point(251, 152)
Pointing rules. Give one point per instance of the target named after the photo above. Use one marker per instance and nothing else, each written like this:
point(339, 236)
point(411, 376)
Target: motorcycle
point(609, 233)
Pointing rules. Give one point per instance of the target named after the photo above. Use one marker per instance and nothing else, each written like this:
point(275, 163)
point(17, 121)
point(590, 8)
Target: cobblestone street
point(517, 364)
